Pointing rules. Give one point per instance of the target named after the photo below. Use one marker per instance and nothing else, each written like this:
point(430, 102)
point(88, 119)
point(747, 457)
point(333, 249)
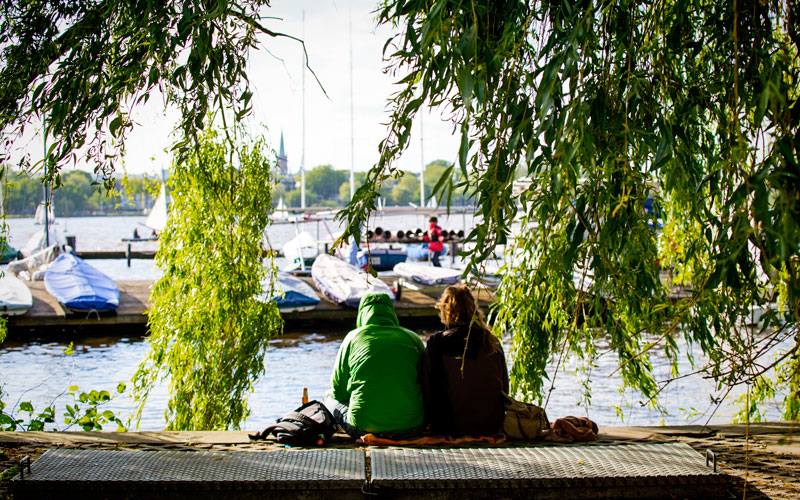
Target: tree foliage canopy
point(603, 105)
point(81, 66)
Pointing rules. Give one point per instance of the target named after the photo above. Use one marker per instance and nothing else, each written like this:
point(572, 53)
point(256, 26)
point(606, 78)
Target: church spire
point(283, 165)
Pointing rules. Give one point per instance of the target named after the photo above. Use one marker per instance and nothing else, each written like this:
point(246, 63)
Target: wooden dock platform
point(134, 302)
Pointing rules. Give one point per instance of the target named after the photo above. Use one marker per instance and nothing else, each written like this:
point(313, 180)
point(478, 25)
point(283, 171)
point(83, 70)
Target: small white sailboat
point(15, 297)
point(343, 283)
point(157, 218)
point(42, 210)
point(281, 212)
point(301, 250)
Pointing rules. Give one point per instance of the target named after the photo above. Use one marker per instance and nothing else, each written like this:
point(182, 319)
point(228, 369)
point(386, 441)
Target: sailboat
point(79, 286)
point(301, 250)
point(157, 218)
point(15, 296)
point(281, 212)
point(44, 215)
point(291, 294)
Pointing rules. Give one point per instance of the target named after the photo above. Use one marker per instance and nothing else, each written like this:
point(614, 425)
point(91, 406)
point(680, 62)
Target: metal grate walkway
point(670, 470)
point(180, 474)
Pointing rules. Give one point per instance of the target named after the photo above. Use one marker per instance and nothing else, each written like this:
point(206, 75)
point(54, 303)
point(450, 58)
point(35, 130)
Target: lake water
point(39, 371)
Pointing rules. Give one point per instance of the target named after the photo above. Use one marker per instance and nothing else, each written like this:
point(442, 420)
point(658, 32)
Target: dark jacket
point(464, 402)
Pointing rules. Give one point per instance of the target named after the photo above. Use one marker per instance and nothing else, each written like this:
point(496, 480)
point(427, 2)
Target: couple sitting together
point(387, 382)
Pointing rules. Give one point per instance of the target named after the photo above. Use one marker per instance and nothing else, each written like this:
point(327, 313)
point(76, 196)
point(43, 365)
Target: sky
point(276, 75)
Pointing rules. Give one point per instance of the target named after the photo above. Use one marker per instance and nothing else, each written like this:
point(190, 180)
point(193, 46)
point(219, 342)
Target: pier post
point(128, 254)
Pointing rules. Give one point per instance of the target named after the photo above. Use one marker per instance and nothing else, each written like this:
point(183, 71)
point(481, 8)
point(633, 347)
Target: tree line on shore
point(79, 194)
point(327, 186)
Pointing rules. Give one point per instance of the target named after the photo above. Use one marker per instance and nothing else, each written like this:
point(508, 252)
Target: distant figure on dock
point(135, 234)
point(375, 382)
point(434, 239)
point(463, 387)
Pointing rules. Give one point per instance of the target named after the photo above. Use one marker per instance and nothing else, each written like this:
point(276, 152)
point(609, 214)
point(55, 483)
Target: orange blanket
point(372, 439)
point(570, 429)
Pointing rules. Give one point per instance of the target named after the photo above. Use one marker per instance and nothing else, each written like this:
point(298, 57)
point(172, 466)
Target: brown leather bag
point(524, 420)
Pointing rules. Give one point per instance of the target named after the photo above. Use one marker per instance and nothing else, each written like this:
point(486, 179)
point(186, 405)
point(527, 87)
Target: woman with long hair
point(463, 374)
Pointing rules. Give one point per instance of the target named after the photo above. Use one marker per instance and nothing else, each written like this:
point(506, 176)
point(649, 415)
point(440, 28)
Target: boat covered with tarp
point(15, 297)
point(290, 293)
point(344, 283)
point(426, 274)
point(79, 286)
point(34, 267)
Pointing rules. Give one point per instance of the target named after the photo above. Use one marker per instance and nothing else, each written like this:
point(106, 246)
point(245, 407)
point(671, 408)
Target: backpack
point(524, 420)
point(435, 234)
point(311, 424)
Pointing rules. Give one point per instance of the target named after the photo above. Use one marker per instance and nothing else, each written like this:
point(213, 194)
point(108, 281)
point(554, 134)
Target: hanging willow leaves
point(208, 334)
point(83, 66)
point(622, 116)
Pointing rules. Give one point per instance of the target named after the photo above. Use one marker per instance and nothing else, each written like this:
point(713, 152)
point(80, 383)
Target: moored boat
point(290, 293)
point(425, 274)
point(301, 250)
point(343, 283)
point(381, 259)
point(15, 297)
point(79, 286)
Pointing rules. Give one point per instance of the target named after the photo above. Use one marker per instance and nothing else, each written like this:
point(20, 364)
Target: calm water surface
point(40, 372)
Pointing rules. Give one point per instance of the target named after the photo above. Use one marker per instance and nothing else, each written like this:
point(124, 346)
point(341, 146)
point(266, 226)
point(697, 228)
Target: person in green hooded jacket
point(375, 384)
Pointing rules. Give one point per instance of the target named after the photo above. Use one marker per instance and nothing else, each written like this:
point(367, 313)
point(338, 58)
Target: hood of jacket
point(376, 309)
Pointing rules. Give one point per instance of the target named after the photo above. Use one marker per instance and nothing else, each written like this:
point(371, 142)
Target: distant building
point(283, 175)
point(283, 163)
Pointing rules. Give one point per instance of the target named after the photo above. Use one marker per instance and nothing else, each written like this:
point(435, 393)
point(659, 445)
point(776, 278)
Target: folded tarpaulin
point(78, 285)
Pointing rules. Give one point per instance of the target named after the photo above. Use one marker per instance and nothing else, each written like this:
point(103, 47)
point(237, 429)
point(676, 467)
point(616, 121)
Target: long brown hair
point(457, 307)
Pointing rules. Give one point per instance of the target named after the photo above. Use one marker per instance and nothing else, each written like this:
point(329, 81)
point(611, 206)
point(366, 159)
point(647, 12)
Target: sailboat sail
point(41, 210)
point(157, 218)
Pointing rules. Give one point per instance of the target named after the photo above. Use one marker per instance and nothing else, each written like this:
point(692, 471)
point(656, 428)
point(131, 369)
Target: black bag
point(311, 424)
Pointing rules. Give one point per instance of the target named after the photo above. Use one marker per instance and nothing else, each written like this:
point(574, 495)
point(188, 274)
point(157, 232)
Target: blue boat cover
point(78, 285)
point(296, 293)
point(419, 251)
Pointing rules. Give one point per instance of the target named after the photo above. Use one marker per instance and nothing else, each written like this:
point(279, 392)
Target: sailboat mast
point(46, 197)
point(421, 166)
point(303, 119)
point(352, 127)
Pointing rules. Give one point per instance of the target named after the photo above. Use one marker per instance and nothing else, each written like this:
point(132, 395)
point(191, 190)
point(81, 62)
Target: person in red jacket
point(435, 246)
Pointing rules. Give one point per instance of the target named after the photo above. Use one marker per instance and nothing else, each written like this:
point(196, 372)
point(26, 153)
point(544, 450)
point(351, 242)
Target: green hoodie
point(376, 370)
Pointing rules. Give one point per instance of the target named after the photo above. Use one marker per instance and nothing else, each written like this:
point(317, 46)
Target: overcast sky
point(277, 79)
